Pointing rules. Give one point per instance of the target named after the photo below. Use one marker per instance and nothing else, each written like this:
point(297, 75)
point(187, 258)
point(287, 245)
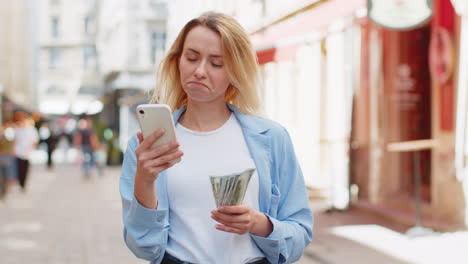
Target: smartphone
point(152, 117)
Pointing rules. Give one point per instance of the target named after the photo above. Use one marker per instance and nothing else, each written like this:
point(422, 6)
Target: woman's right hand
point(151, 162)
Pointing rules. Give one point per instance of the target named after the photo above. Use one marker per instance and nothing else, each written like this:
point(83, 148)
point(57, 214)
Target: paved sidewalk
point(62, 219)
point(355, 237)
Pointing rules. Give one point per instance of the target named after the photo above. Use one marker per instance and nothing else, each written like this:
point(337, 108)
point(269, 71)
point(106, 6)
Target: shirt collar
point(246, 121)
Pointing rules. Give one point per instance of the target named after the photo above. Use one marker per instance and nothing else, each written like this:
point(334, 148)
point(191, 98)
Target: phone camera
point(142, 112)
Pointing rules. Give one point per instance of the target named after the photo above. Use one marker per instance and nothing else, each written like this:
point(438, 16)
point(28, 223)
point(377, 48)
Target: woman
point(169, 212)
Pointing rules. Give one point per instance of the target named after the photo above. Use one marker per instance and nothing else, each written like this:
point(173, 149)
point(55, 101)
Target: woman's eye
point(191, 59)
point(217, 65)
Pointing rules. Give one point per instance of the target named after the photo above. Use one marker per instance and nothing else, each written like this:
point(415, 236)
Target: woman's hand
point(241, 219)
point(151, 162)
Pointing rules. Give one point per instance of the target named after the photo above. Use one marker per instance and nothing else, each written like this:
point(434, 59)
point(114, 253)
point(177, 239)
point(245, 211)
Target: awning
point(279, 41)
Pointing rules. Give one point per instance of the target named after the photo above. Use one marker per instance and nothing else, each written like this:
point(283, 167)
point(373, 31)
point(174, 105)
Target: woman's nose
point(200, 71)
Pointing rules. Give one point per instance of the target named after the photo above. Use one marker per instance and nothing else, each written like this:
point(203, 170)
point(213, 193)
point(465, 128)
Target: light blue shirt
point(282, 196)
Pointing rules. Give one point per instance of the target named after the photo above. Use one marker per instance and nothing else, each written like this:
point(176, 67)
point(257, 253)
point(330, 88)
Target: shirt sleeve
point(292, 218)
point(145, 230)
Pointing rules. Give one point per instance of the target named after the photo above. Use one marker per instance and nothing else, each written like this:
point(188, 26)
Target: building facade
point(461, 141)
point(404, 121)
point(18, 54)
point(310, 60)
point(131, 44)
point(68, 61)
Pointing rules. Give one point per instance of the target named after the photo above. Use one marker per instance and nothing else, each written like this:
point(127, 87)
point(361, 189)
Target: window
point(86, 24)
point(54, 58)
point(89, 56)
point(55, 90)
point(55, 27)
point(157, 45)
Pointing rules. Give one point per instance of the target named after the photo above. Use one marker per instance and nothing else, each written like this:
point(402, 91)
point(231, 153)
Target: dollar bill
point(216, 184)
point(230, 189)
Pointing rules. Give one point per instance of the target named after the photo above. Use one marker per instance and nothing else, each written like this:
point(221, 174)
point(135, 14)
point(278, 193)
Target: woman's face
point(202, 72)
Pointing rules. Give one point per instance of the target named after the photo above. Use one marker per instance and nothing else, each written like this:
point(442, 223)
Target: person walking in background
point(169, 212)
point(26, 140)
point(86, 140)
point(8, 166)
point(50, 138)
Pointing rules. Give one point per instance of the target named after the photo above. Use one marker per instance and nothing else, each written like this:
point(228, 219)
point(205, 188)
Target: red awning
point(268, 42)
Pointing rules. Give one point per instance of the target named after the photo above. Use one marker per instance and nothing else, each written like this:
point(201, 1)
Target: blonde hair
point(239, 59)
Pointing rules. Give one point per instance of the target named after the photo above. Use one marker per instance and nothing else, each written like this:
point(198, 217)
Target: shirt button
point(160, 218)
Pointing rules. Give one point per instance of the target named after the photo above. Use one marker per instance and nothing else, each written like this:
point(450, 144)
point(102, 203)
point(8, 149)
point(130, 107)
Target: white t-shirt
point(25, 139)
point(193, 236)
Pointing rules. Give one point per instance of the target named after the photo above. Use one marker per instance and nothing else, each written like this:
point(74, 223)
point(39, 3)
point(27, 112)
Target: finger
point(230, 219)
point(164, 159)
point(140, 136)
point(148, 141)
point(240, 226)
point(234, 209)
point(229, 229)
point(163, 167)
point(159, 151)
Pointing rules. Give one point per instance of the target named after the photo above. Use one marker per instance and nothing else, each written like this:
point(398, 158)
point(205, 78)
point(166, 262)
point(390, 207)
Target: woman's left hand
point(241, 219)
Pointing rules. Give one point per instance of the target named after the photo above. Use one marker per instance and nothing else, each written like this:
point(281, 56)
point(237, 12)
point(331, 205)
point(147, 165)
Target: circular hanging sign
point(399, 14)
point(461, 7)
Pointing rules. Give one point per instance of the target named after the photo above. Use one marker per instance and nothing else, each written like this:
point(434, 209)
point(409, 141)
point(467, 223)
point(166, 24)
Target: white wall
point(17, 51)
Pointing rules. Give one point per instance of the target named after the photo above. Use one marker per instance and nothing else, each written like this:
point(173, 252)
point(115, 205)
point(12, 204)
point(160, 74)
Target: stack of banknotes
point(230, 189)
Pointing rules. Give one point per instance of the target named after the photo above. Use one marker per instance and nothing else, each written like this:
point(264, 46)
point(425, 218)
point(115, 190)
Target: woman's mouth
point(198, 84)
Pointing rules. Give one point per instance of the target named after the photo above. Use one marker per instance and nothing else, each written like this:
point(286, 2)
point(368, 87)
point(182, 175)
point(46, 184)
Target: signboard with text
point(400, 14)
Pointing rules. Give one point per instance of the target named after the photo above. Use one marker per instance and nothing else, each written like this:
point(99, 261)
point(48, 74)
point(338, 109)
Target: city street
point(62, 218)
point(370, 95)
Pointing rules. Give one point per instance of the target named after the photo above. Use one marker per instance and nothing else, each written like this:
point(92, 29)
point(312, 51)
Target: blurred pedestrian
point(8, 166)
point(50, 138)
point(86, 141)
point(209, 77)
point(26, 140)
